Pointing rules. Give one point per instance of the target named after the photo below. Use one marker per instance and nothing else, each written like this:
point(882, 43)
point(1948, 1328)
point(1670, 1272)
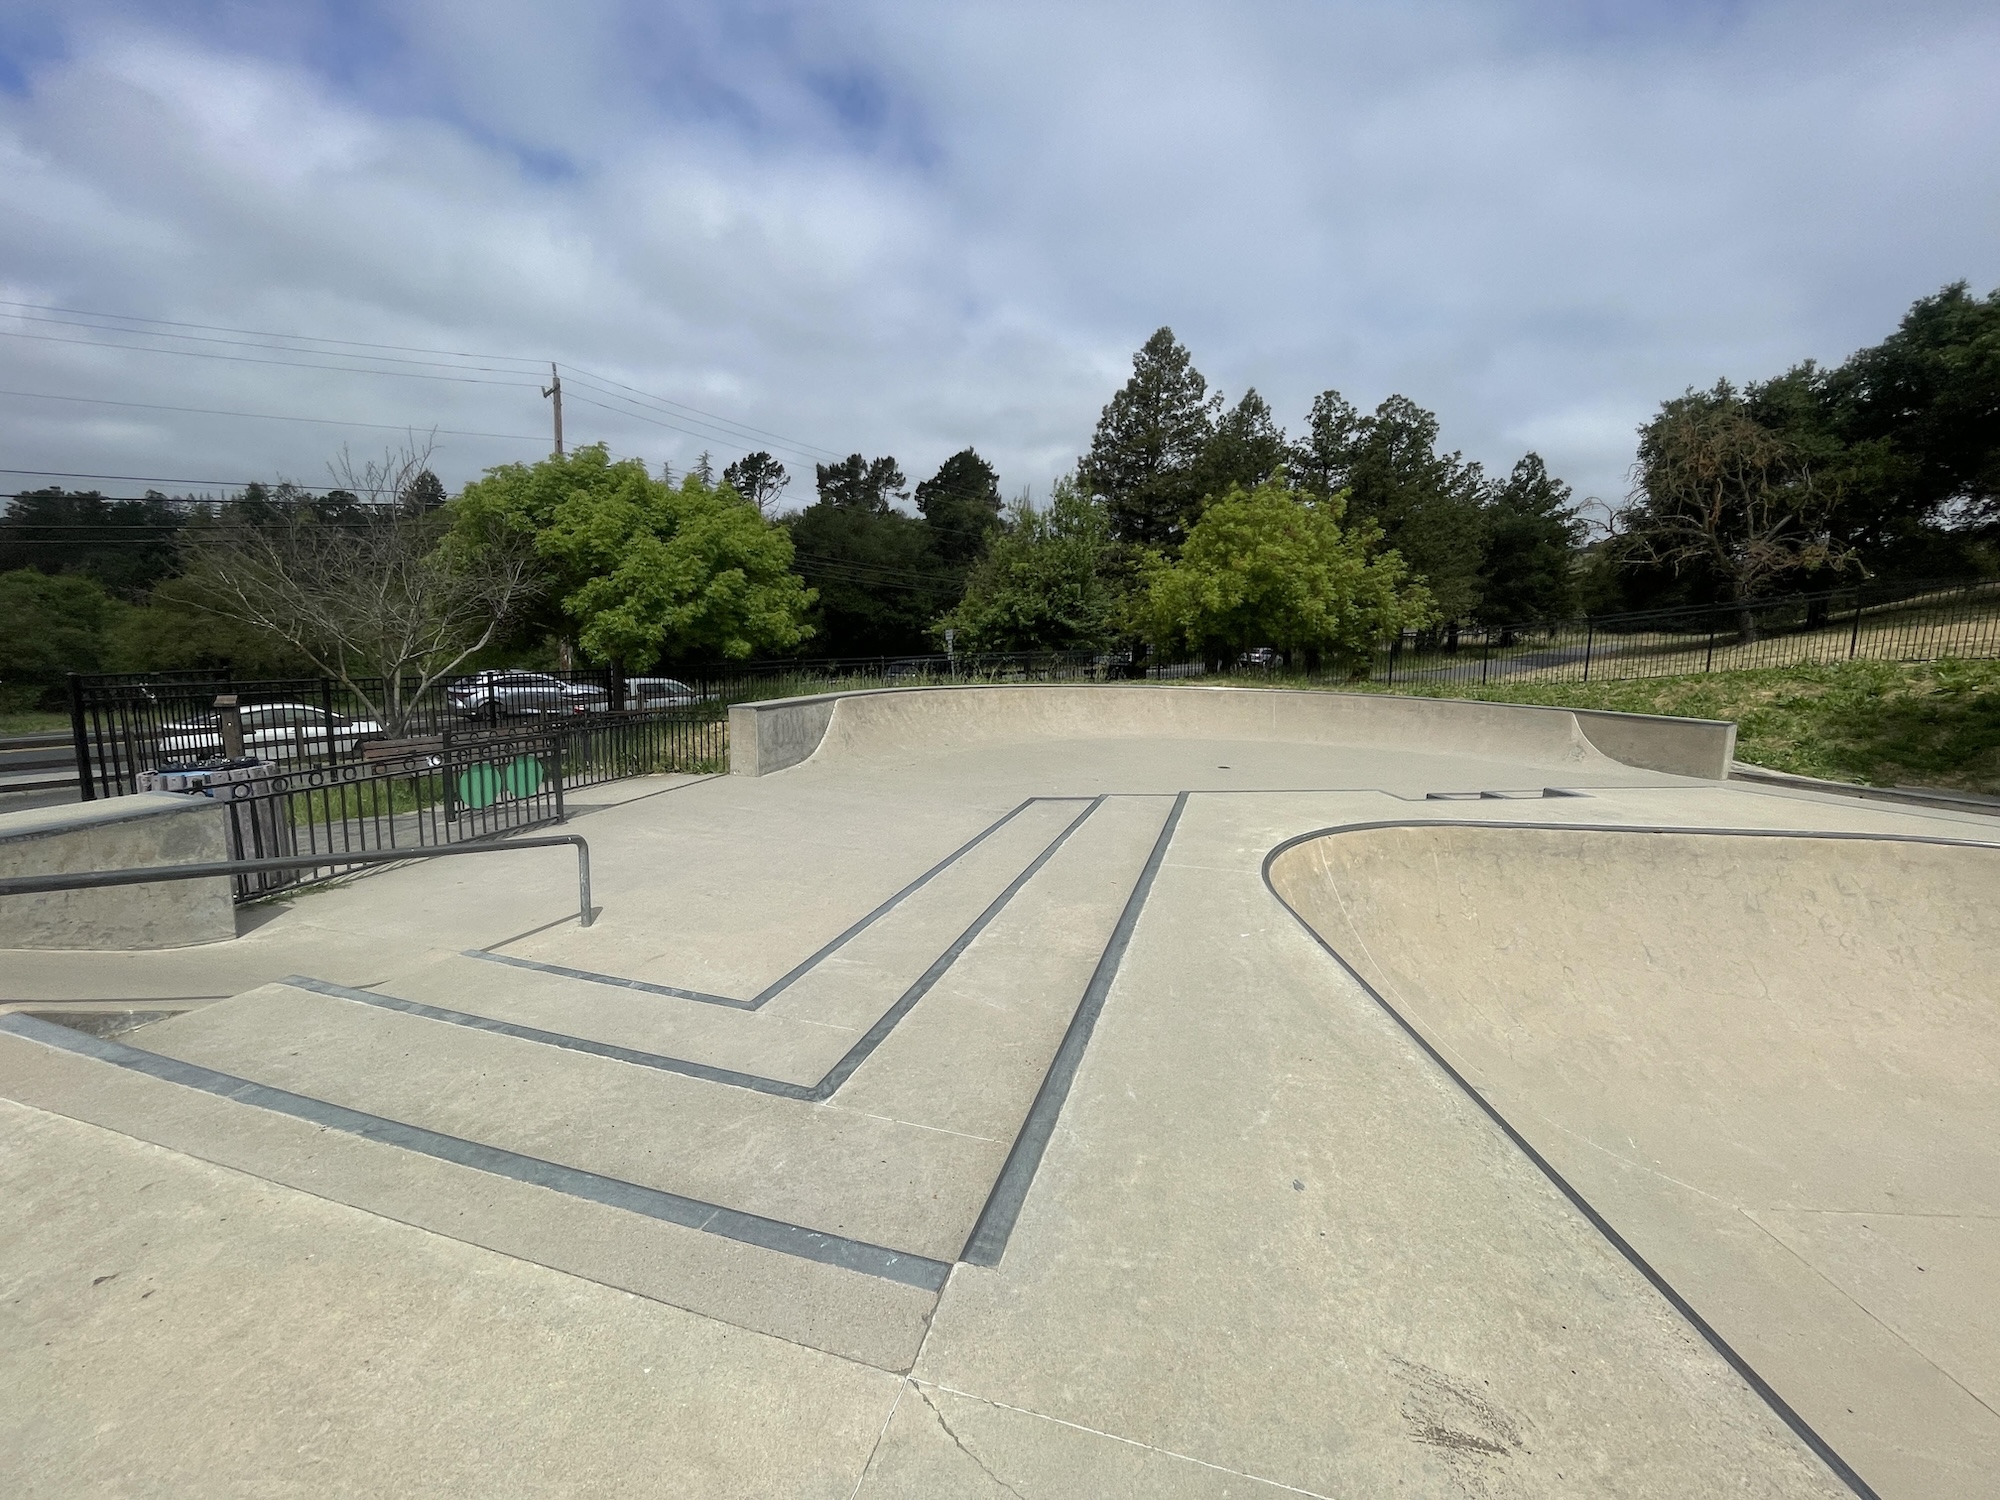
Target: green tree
point(639, 567)
point(423, 494)
point(1528, 574)
point(961, 507)
point(1274, 566)
point(126, 545)
point(758, 478)
point(1718, 491)
point(1430, 506)
point(1931, 392)
point(1044, 586)
point(51, 626)
point(855, 483)
point(1145, 457)
point(879, 582)
point(1246, 448)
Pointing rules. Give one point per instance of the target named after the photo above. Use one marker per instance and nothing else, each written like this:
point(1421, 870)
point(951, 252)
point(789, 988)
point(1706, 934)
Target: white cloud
point(904, 229)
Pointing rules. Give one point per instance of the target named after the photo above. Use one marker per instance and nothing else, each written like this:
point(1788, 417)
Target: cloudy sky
point(904, 228)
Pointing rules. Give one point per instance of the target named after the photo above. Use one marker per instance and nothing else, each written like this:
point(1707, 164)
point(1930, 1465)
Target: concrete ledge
point(886, 722)
point(120, 833)
point(767, 737)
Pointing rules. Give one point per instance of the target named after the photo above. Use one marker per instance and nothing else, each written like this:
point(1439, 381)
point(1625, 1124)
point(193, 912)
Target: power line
point(303, 338)
point(795, 445)
point(208, 411)
point(711, 418)
point(280, 348)
point(163, 479)
point(732, 442)
point(244, 359)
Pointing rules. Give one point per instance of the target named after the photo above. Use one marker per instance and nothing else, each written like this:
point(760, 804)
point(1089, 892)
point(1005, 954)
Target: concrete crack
point(959, 1442)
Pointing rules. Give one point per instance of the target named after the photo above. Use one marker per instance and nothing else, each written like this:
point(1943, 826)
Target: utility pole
point(554, 388)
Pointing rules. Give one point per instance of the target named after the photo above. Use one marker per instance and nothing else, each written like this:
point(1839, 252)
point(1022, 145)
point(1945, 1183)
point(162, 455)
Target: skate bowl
point(891, 723)
point(1755, 1053)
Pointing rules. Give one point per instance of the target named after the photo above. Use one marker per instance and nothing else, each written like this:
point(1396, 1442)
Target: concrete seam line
point(859, 1053)
point(814, 1093)
point(799, 971)
point(1802, 1429)
point(797, 1240)
point(988, 1241)
point(707, 1072)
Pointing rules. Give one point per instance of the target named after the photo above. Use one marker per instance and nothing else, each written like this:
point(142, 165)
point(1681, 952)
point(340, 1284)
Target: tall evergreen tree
point(1528, 574)
point(861, 484)
point(1247, 448)
point(758, 478)
point(1429, 505)
point(880, 583)
point(1145, 456)
point(961, 506)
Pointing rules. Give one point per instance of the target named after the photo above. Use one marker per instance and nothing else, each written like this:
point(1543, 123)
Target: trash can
point(259, 822)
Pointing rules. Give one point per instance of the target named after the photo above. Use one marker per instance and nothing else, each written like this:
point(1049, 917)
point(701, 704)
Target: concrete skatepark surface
point(1254, 1100)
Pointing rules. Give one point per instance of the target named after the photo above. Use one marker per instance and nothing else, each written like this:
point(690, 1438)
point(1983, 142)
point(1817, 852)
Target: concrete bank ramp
point(1772, 1064)
point(892, 723)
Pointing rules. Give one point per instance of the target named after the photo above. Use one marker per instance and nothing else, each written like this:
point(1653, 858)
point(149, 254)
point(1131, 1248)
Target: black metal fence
point(124, 726)
point(461, 793)
point(1868, 622)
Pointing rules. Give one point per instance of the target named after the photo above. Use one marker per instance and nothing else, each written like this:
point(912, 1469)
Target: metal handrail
point(84, 880)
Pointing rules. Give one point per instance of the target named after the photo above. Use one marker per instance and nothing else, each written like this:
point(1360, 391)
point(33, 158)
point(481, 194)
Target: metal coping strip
point(1802, 1429)
point(798, 971)
point(691, 1213)
point(988, 1241)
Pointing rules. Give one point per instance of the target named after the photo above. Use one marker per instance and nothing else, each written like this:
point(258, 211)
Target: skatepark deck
point(1107, 1091)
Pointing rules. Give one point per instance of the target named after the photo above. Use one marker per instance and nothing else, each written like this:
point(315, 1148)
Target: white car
point(659, 692)
point(271, 731)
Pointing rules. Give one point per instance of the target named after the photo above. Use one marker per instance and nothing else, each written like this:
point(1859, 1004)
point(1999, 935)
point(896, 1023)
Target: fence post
point(1854, 635)
point(80, 739)
point(1589, 635)
point(1485, 654)
point(1709, 664)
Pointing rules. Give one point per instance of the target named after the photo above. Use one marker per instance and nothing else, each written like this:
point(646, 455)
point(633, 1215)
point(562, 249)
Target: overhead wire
point(208, 411)
point(244, 359)
point(733, 429)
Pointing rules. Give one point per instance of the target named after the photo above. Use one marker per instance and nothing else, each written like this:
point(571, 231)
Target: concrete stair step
point(860, 1314)
point(856, 1176)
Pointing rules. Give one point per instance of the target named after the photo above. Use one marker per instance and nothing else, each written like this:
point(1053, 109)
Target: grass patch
point(31, 721)
point(1882, 723)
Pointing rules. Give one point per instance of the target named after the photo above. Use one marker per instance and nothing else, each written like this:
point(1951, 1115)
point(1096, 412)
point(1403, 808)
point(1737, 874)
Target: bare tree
point(1715, 489)
point(378, 596)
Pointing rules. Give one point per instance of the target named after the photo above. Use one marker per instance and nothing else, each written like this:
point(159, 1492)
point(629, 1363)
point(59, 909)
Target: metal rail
point(84, 880)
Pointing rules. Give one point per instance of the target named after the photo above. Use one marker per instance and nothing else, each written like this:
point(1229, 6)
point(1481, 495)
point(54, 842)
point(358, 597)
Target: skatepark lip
point(1481, 1100)
point(879, 724)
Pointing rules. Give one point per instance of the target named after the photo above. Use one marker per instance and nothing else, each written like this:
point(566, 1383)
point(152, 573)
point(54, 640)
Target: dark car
point(507, 694)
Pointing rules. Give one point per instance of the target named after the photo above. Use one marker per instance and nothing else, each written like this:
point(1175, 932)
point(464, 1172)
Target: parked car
point(660, 692)
point(271, 731)
point(507, 694)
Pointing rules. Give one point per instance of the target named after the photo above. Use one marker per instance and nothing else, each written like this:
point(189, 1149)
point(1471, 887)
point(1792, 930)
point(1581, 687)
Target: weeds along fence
point(1868, 622)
